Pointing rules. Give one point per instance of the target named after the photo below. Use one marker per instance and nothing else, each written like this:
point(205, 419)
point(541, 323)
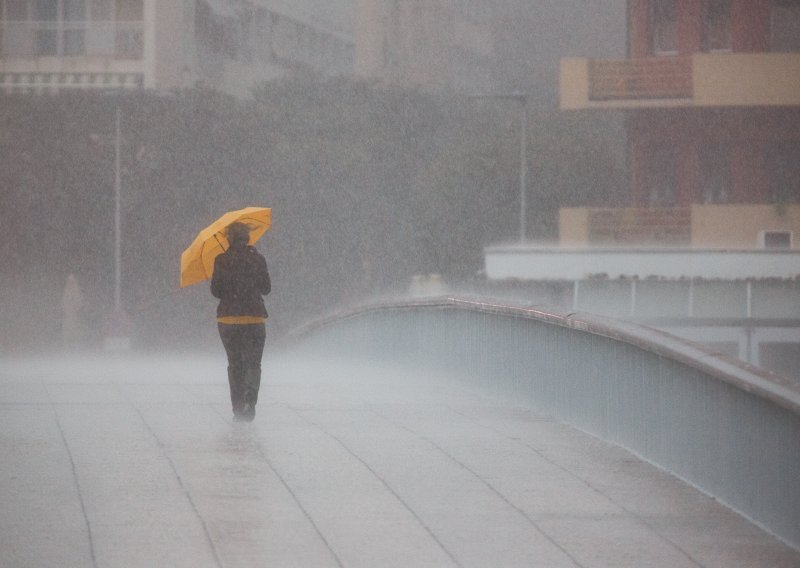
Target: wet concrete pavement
point(121, 461)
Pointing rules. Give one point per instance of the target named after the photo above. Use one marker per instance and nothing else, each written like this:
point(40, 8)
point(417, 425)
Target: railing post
point(575, 290)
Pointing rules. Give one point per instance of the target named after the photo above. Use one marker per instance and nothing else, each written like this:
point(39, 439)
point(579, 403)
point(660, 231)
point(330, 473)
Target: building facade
point(707, 245)
point(711, 93)
point(229, 45)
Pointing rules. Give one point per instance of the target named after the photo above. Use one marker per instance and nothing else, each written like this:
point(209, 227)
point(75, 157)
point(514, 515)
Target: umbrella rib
point(219, 242)
point(203, 248)
point(254, 219)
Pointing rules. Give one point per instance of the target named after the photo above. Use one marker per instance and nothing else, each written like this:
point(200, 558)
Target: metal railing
point(730, 429)
point(665, 225)
point(29, 39)
point(651, 78)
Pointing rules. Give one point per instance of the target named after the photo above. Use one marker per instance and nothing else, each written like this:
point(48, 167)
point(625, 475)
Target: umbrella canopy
point(197, 261)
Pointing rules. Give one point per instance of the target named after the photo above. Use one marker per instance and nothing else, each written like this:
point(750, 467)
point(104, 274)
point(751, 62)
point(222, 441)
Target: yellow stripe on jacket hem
point(239, 320)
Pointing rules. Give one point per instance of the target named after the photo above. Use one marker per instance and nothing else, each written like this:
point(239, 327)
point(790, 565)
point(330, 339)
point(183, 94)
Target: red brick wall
point(639, 28)
point(749, 26)
point(748, 131)
point(690, 27)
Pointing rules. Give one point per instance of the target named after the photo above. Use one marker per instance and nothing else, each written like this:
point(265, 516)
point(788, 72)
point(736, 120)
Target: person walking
point(240, 280)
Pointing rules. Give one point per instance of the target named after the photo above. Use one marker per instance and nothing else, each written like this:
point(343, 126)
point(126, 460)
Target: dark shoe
point(247, 414)
point(252, 383)
point(236, 382)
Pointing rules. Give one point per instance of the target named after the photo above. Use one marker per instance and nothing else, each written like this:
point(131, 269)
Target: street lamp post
point(117, 217)
point(521, 97)
point(116, 327)
point(117, 331)
point(523, 170)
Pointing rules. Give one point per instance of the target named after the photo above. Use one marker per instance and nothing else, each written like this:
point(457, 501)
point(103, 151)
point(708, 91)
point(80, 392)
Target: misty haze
point(530, 283)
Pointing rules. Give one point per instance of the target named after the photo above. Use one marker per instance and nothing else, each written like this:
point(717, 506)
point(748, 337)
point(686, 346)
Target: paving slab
point(125, 460)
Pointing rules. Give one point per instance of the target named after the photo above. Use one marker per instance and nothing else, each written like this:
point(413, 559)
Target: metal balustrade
point(730, 429)
point(650, 78)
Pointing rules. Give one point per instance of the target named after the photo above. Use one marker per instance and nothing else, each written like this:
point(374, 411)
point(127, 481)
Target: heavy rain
point(535, 286)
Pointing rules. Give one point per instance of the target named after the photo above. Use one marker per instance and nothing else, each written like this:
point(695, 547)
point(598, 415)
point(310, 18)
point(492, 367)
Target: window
point(783, 167)
point(715, 179)
point(17, 10)
point(101, 33)
point(16, 40)
point(45, 15)
point(74, 16)
point(102, 10)
point(717, 25)
point(46, 10)
point(785, 26)
point(776, 239)
point(130, 10)
point(664, 19)
point(59, 27)
point(74, 10)
point(36, 28)
point(661, 176)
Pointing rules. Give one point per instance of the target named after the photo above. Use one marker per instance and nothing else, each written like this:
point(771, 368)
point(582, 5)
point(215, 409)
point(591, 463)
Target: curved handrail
point(743, 376)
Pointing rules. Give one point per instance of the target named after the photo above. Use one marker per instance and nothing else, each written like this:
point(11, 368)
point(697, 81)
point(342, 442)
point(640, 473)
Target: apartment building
point(711, 95)
point(230, 45)
point(431, 44)
point(708, 244)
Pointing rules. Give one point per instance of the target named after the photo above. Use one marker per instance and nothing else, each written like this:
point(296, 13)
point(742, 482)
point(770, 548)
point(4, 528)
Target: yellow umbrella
point(197, 261)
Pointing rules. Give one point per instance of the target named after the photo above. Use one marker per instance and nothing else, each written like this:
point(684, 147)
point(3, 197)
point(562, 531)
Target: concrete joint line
point(297, 501)
point(185, 489)
point(491, 487)
point(77, 484)
point(384, 483)
point(585, 482)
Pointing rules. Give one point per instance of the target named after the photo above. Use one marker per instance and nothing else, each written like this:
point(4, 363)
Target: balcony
point(701, 80)
point(657, 78)
point(55, 56)
point(739, 227)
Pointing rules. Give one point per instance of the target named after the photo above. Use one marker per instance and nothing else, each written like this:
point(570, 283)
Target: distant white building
point(743, 302)
point(431, 44)
point(230, 45)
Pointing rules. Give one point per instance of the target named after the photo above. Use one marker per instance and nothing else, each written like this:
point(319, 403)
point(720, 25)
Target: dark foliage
point(367, 187)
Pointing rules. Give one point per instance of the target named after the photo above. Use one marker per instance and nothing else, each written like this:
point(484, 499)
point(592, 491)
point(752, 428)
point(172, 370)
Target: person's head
point(237, 233)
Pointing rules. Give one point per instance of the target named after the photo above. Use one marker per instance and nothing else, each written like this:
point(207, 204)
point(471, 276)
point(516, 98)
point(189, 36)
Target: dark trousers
point(244, 345)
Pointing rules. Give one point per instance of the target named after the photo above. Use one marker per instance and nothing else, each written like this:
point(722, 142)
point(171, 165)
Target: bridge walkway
point(135, 462)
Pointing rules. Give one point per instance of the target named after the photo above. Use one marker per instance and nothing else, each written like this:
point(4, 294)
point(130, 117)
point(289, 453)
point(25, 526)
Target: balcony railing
point(120, 40)
point(652, 78)
point(631, 225)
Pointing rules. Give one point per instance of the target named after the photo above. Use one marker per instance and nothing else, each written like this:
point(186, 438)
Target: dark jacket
point(240, 280)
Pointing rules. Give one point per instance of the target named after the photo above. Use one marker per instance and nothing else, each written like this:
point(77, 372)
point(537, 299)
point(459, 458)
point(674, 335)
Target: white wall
point(540, 263)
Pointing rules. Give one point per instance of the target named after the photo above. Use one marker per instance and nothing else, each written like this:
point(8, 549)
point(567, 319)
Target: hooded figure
point(240, 280)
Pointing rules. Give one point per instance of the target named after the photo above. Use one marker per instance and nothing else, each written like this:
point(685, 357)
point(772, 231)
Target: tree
point(368, 186)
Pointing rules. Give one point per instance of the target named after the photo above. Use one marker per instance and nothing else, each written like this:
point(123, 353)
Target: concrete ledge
point(530, 262)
